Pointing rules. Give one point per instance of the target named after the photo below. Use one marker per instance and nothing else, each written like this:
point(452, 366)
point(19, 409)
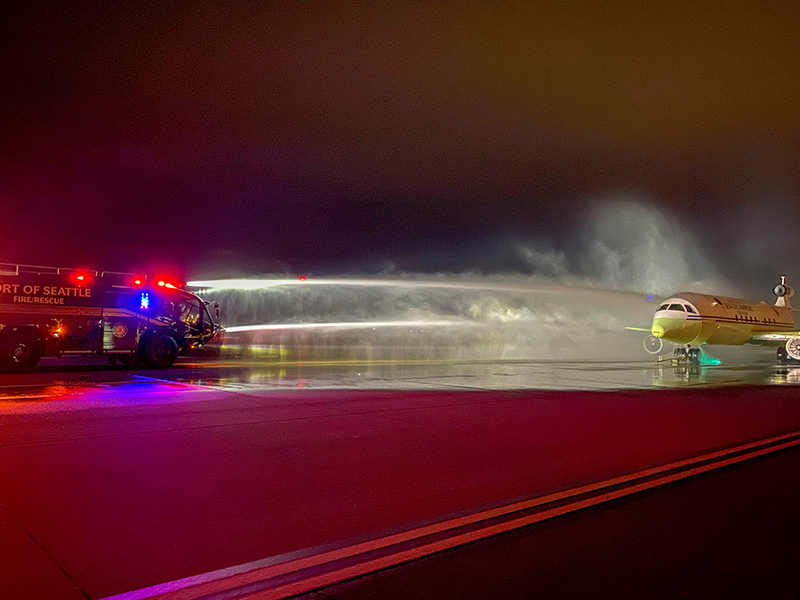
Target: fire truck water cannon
point(53, 311)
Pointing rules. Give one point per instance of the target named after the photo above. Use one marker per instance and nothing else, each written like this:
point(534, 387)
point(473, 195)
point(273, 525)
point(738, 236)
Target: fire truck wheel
point(21, 352)
point(160, 352)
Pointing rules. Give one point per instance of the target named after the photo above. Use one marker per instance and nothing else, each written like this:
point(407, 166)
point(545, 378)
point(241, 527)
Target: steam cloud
point(630, 245)
point(573, 302)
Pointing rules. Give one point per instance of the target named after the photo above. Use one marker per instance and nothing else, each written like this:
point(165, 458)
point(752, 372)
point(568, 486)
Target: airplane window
point(690, 309)
point(677, 307)
point(662, 307)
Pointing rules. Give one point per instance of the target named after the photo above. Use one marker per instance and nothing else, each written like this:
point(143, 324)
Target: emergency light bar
point(169, 283)
point(87, 277)
point(82, 278)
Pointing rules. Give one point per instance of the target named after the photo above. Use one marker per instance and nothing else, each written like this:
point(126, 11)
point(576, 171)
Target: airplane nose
point(657, 330)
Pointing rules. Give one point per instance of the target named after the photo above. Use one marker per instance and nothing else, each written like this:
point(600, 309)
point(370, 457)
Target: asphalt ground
point(414, 374)
point(114, 480)
point(708, 537)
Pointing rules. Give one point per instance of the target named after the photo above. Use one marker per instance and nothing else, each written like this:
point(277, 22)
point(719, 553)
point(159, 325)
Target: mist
point(564, 303)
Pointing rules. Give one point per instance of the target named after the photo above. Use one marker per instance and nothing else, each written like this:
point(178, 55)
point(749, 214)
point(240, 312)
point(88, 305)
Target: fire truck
point(53, 311)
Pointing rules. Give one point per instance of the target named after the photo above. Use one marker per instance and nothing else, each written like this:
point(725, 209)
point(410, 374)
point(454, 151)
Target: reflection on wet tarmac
point(81, 394)
point(12, 395)
point(94, 387)
point(786, 375)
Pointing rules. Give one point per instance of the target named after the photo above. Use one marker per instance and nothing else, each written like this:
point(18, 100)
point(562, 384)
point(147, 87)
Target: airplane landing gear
point(692, 355)
point(785, 359)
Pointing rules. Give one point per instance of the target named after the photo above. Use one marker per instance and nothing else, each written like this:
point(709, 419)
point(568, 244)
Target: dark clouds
point(315, 134)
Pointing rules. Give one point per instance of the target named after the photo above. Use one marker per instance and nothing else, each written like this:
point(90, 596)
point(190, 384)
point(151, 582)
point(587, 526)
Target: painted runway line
point(305, 571)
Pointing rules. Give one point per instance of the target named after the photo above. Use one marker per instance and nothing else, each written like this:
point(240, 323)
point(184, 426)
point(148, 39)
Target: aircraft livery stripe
point(746, 322)
point(738, 321)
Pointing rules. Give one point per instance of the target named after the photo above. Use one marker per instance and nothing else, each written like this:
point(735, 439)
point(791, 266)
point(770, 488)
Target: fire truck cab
point(53, 311)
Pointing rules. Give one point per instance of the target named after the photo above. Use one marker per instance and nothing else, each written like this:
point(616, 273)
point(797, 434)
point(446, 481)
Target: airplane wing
point(773, 338)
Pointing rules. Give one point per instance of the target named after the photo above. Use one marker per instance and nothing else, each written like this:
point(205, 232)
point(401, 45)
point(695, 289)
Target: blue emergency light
point(144, 303)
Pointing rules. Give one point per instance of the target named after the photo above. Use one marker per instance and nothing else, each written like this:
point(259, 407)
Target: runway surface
point(232, 374)
point(116, 480)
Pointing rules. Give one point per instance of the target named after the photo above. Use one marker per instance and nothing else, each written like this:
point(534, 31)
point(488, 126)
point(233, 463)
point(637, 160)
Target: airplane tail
point(784, 293)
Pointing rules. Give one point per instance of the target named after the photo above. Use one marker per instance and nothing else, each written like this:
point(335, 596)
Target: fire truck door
point(119, 324)
point(119, 333)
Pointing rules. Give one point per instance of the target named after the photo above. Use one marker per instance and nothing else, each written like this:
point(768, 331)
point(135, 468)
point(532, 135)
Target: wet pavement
point(66, 379)
point(112, 480)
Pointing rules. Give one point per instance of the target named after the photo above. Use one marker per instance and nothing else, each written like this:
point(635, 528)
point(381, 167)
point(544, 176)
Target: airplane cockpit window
point(677, 307)
point(662, 307)
point(690, 309)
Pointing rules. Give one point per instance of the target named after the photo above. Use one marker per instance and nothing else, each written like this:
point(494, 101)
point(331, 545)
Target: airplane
point(690, 320)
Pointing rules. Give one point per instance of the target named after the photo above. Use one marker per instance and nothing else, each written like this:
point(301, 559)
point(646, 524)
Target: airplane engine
point(653, 345)
point(793, 347)
point(783, 291)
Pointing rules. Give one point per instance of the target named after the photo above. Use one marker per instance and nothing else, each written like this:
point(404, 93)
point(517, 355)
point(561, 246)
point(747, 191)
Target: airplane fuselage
point(693, 319)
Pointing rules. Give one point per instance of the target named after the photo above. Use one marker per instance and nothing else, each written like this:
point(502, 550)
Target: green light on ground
point(705, 359)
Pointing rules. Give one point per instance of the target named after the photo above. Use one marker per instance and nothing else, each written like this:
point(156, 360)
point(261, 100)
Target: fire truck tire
point(160, 352)
point(20, 351)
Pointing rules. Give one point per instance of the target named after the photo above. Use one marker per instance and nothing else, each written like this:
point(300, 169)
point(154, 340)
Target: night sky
point(323, 137)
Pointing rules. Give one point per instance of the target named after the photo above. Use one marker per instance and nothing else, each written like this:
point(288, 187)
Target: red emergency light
point(82, 278)
point(137, 281)
point(166, 283)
